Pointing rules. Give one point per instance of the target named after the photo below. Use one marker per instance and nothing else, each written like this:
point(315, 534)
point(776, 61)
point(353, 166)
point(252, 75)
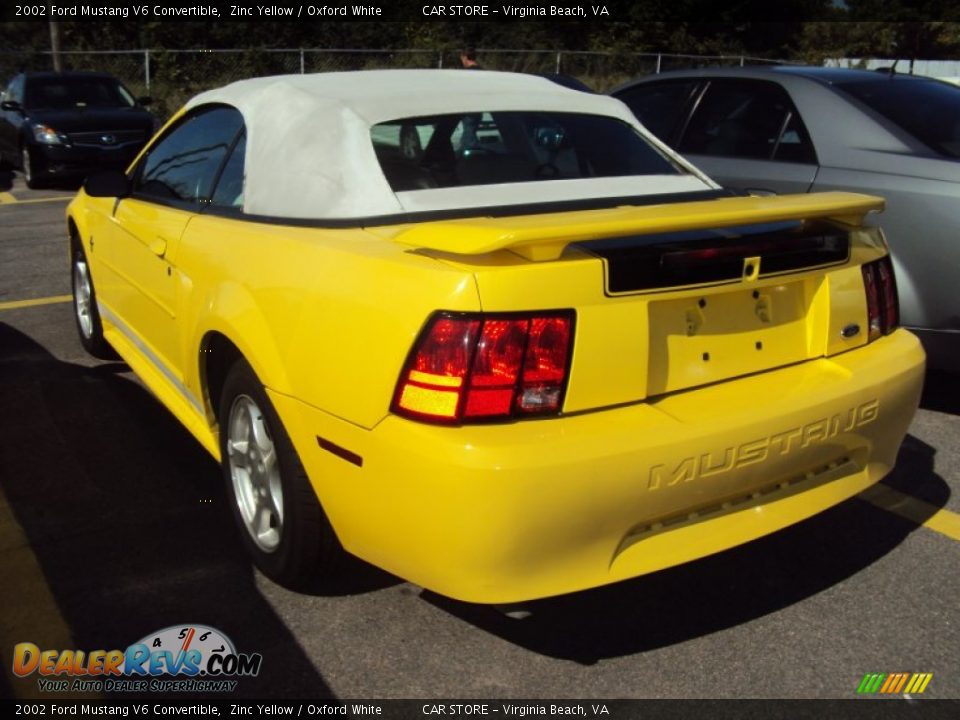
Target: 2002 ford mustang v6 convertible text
point(489, 334)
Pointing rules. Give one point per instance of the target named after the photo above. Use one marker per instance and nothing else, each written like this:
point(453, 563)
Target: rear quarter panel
point(326, 316)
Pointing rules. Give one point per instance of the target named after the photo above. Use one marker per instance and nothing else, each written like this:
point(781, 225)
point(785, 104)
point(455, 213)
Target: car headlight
point(47, 135)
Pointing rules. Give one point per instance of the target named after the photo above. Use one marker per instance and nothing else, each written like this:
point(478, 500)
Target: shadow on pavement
point(717, 592)
point(125, 514)
point(941, 392)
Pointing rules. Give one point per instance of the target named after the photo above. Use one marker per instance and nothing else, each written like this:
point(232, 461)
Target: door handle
point(158, 246)
point(760, 192)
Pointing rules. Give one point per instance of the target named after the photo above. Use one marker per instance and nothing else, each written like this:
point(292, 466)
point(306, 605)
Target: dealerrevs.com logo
point(180, 658)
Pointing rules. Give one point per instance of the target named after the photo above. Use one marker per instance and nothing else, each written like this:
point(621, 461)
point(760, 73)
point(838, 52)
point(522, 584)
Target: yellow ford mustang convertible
point(488, 333)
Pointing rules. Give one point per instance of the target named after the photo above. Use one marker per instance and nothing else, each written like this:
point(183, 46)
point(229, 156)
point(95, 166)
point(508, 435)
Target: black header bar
point(622, 11)
point(445, 709)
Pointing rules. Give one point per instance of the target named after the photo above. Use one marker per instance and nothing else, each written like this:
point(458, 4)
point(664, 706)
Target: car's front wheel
point(281, 521)
point(85, 309)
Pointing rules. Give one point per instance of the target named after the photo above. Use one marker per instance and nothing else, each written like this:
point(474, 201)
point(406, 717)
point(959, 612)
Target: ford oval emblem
point(850, 330)
point(108, 139)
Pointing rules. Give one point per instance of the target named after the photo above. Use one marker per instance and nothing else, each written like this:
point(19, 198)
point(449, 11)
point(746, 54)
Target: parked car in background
point(788, 129)
point(485, 332)
point(66, 124)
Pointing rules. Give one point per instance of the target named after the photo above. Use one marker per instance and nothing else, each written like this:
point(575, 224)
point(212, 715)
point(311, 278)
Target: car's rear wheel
point(85, 309)
point(28, 164)
point(281, 521)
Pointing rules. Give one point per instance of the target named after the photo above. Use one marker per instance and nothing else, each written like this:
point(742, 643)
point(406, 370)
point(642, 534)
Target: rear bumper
point(505, 513)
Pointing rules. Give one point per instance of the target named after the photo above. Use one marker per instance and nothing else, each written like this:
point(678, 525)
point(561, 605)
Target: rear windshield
point(487, 148)
point(66, 93)
point(926, 109)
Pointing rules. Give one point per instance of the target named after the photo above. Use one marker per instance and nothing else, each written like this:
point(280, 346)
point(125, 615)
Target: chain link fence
point(170, 77)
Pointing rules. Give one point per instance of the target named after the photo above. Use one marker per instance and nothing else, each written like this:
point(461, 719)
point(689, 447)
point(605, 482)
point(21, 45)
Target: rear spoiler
point(544, 237)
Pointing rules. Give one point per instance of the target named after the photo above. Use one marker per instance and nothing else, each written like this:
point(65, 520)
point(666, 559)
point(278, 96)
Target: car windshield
point(61, 93)
point(486, 148)
point(927, 109)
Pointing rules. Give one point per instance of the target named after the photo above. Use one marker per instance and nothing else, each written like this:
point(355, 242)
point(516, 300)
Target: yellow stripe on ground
point(6, 198)
point(15, 304)
point(12, 199)
point(923, 513)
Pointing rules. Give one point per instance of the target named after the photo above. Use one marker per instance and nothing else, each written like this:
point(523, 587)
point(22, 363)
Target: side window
point(747, 119)
point(229, 192)
point(794, 144)
point(183, 165)
point(660, 106)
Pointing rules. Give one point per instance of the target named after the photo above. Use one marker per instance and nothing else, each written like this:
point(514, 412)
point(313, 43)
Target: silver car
point(785, 129)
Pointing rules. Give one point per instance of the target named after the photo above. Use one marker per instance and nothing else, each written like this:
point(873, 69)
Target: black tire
point(296, 547)
point(31, 176)
point(85, 312)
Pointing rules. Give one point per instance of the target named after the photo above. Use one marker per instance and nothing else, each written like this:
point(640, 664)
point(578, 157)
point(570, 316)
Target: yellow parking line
point(6, 197)
point(15, 304)
point(945, 522)
point(59, 198)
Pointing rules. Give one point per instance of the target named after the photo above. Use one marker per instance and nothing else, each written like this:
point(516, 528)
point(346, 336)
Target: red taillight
point(545, 365)
point(873, 299)
point(496, 368)
point(889, 302)
point(467, 368)
point(883, 311)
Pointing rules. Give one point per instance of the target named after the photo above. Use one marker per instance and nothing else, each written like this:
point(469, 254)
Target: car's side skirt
point(159, 380)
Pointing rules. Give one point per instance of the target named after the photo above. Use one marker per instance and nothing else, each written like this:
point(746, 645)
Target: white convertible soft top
point(310, 156)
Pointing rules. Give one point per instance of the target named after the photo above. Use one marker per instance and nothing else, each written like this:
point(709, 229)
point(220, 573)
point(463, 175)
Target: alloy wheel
point(255, 472)
point(82, 297)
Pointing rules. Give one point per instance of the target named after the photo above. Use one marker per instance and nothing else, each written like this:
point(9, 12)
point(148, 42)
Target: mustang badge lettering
point(710, 464)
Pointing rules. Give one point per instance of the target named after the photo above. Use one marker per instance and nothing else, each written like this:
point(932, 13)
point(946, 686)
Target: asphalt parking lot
point(113, 526)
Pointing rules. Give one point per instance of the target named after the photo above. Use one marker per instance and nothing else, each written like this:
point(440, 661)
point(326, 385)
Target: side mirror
point(107, 183)
point(11, 105)
point(144, 101)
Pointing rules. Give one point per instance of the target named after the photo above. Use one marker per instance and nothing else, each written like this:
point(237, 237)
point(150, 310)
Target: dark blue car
point(64, 125)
